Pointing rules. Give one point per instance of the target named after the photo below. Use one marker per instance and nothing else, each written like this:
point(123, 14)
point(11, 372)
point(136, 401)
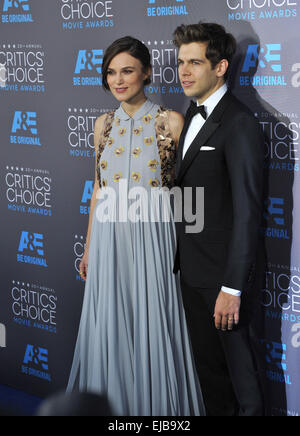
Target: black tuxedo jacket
point(224, 253)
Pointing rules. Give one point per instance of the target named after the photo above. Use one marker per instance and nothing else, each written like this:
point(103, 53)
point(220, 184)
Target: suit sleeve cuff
point(231, 291)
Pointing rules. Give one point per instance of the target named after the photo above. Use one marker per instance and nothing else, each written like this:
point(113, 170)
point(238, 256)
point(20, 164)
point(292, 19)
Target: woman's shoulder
point(101, 124)
point(175, 121)
point(102, 119)
point(175, 117)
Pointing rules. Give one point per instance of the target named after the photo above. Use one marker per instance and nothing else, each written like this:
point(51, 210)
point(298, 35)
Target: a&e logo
point(86, 197)
point(88, 68)
point(8, 4)
point(16, 11)
point(266, 58)
point(24, 129)
point(31, 249)
point(274, 215)
point(276, 362)
point(173, 8)
point(36, 362)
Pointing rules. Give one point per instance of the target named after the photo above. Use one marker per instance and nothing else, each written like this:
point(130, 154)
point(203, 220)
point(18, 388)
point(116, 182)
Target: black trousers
point(225, 361)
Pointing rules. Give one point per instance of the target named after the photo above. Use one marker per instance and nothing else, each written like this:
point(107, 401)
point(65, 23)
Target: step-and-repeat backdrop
point(51, 53)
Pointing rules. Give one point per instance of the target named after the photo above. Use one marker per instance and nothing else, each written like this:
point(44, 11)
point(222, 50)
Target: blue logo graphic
point(25, 123)
point(88, 68)
point(32, 242)
point(86, 197)
point(274, 214)
point(171, 9)
point(11, 12)
point(276, 360)
point(276, 355)
point(35, 362)
point(37, 356)
point(275, 208)
point(267, 58)
point(33, 245)
point(271, 55)
point(15, 4)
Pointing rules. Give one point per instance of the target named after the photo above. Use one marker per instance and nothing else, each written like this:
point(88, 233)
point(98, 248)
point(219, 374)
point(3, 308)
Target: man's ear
point(222, 68)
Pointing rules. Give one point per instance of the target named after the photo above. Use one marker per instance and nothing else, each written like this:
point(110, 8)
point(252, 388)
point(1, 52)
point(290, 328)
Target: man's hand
point(227, 311)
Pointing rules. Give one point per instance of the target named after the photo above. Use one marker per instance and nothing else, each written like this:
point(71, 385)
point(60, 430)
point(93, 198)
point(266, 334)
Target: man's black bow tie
point(194, 110)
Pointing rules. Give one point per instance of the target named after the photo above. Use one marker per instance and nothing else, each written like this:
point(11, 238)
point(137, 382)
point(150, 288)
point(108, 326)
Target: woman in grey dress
point(133, 345)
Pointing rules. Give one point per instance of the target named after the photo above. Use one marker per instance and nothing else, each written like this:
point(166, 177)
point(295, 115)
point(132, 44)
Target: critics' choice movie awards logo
point(87, 14)
point(16, 11)
point(34, 306)
point(31, 249)
point(282, 144)
point(24, 129)
point(251, 10)
point(36, 363)
point(88, 68)
point(80, 126)
point(28, 190)
point(160, 8)
point(281, 293)
point(165, 78)
point(2, 336)
point(22, 68)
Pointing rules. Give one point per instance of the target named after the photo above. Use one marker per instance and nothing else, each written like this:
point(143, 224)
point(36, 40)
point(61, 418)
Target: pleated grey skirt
point(133, 344)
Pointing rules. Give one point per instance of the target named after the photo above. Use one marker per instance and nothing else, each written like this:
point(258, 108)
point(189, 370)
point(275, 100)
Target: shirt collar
point(143, 110)
point(214, 99)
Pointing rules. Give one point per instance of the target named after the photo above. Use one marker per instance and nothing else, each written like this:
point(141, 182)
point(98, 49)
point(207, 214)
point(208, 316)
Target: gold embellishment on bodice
point(104, 139)
point(166, 147)
point(165, 143)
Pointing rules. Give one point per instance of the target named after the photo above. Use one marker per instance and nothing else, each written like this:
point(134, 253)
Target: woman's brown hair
point(129, 45)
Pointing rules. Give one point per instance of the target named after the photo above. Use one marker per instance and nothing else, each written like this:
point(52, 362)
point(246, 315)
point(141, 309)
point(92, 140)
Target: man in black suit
point(221, 149)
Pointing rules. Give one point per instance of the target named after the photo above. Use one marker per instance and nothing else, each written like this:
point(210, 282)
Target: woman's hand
point(83, 267)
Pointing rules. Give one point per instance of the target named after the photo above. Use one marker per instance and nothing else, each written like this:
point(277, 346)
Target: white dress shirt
point(193, 130)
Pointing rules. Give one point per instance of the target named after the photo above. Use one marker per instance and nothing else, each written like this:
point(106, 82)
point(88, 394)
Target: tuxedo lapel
point(208, 129)
point(205, 133)
point(181, 145)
